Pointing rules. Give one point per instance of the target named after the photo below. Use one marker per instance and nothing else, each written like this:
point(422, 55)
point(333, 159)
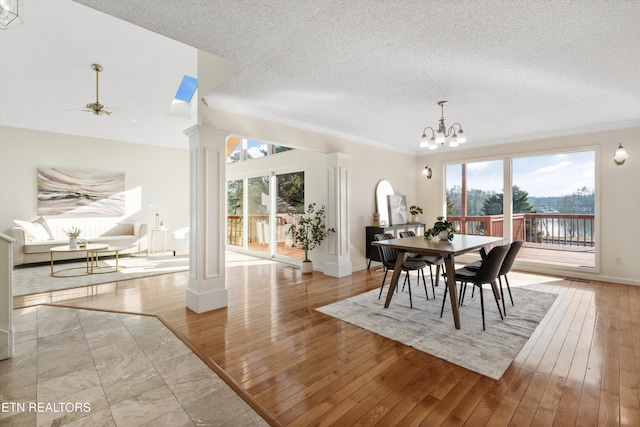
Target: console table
point(372, 251)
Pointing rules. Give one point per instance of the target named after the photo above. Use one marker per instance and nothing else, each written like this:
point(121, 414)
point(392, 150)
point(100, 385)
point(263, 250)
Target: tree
point(493, 204)
point(291, 192)
point(580, 201)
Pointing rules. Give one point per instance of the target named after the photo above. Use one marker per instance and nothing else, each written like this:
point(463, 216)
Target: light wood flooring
point(580, 367)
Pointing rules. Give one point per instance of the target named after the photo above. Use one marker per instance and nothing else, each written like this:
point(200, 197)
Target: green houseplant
point(415, 211)
point(442, 228)
point(308, 231)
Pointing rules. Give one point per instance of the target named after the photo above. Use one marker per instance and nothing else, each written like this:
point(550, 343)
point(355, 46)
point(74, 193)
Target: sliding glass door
point(259, 213)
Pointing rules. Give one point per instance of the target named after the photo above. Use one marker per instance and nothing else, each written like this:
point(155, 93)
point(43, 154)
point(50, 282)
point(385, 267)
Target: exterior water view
point(553, 200)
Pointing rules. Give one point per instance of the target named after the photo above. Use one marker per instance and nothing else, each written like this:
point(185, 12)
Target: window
point(246, 149)
point(554, 207)
point(474, 197)
point(290, 199)
point(553, 198)
point(235, 212)
point(258, 210)
point(253, 224)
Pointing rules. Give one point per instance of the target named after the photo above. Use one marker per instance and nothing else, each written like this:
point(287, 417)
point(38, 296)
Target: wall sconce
point(427, 172)
point(620, 156)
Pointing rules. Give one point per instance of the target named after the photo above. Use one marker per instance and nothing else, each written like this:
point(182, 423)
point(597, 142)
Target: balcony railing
point(548, 229)
point(259, 229)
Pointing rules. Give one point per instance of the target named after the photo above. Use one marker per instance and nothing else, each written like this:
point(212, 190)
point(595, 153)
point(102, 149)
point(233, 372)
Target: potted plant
point(415, 211)
point(442, 228)
point(308, 231)
point(73, 234)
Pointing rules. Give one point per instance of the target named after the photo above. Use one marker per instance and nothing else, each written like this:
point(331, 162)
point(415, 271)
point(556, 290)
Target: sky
point(540, 176)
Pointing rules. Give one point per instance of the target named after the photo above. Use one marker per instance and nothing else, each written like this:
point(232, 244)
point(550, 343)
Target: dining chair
point(507, 264)
point(431, 260)
point(486, 274)
point(388, 257)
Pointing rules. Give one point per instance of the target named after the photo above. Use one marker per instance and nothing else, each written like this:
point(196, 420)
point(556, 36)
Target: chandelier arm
point(453, 130)
point(433, 132)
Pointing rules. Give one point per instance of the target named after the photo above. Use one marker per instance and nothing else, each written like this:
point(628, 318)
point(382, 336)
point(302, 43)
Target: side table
point(153, 232)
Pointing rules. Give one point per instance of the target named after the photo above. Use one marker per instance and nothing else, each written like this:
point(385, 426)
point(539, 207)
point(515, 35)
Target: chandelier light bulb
point(453, 142)
point(462, 138)
point(424, 141)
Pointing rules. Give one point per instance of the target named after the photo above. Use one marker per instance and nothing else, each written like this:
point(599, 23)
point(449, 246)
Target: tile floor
point(83, 367)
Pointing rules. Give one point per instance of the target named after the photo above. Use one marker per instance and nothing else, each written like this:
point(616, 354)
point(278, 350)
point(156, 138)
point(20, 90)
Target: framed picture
point(398, 213)
point(77, 192)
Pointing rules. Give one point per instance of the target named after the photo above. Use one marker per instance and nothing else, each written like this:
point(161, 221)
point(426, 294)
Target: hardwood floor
point(580, 367)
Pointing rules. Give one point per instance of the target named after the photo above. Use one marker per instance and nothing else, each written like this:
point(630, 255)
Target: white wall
point(160, 176)
point(153, 176)
point(617, 188)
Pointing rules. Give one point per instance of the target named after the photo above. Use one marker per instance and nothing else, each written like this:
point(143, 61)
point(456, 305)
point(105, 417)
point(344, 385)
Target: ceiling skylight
point(181, 104)
point(187, 88)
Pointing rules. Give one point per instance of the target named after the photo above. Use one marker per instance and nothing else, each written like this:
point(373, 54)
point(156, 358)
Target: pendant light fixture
point(10, 14)
point(439, 137)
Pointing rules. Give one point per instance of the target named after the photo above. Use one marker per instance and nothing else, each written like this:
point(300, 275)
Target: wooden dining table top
point(461, 243)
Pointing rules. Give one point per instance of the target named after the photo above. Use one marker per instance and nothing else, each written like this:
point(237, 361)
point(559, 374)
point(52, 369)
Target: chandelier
point(439, 137)
point(10, 13)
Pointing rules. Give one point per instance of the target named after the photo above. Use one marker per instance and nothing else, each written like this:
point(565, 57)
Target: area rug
point(488, 352)
point(28, 280)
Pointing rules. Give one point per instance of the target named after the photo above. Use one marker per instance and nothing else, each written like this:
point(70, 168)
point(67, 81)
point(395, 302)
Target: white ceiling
point(369, 70)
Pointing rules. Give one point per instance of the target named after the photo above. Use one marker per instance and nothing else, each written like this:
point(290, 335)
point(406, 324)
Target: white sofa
point(35, 239)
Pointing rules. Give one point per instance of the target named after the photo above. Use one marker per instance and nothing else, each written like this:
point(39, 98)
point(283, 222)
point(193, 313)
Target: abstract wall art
point(79, 192)
point(397, 209)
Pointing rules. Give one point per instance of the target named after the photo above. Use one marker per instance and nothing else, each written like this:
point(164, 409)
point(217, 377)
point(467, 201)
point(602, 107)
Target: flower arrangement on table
point(73, 232)
point(442, 228)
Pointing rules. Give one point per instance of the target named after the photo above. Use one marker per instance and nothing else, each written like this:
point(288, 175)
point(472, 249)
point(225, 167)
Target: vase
point(73, 243)
point(306, 267)
point(415, 219)
point(443, 235)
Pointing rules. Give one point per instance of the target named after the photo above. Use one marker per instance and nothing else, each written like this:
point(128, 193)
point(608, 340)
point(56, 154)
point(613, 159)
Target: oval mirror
point(383, 190)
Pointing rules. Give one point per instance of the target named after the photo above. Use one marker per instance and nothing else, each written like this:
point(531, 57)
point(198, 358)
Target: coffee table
point(91, 267)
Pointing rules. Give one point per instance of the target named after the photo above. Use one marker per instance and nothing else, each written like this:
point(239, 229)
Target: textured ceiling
point(368, 70)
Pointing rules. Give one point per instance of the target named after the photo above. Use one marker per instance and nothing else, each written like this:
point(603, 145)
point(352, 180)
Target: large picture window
point(552, 198)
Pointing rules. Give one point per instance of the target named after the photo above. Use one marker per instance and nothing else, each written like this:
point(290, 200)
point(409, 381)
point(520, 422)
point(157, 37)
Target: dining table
point(461, 244)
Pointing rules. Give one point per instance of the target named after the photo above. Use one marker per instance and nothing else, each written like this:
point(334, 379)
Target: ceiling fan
point(96, 107)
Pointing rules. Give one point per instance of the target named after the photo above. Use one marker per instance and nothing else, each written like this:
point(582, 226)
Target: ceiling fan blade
point(122, 116)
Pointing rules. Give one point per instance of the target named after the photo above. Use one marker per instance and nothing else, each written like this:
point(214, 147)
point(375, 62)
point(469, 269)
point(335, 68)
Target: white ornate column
point(207, 288)
point(6, 296)
point(338, 262)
